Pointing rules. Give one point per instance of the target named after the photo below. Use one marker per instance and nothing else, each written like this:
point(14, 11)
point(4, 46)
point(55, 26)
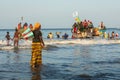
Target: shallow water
point(63, 60)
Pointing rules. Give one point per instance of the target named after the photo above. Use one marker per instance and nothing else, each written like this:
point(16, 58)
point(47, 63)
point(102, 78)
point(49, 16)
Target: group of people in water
point(51, 35)
point(15, 38)
point(111, 36)
point(18, 33)
point(79, 30)
point(37, 43)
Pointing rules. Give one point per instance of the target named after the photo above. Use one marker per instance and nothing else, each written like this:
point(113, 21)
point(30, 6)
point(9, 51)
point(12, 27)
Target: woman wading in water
point(37, 45)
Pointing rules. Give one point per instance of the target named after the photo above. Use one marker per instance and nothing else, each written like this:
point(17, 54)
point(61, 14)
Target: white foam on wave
point(83, 41)
point(23, 44)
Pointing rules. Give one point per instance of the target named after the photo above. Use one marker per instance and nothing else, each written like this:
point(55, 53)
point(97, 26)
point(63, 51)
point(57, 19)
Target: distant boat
point(80, 31)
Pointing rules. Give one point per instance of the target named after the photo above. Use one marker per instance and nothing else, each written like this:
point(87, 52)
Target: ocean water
point(71, 59)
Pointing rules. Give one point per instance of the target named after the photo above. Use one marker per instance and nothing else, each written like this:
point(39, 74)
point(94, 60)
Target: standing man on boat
point(37, 45)
point(102, 26)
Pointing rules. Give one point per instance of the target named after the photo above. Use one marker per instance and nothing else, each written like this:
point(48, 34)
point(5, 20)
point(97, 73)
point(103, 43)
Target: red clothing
point(85, 24)
point(75, 29)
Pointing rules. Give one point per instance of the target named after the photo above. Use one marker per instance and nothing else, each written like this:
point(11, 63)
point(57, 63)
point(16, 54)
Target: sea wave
point(83, 41)
point(23, 44)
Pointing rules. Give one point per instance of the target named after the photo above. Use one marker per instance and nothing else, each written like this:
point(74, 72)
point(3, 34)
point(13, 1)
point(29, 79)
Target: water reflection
point(16, 49)
point(82, 53)
point(8, 57)
point(82, 57)
point(36, 73)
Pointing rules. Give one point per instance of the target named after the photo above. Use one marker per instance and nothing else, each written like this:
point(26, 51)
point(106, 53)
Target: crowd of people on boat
point(85, 29)
point(101, 25)
point(83, 25)
point(80, 30)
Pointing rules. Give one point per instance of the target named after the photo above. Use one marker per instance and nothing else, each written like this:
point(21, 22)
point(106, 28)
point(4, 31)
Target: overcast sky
point(58, 13)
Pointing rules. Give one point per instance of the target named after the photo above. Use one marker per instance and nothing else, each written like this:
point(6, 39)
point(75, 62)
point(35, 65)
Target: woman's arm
point(41, 39)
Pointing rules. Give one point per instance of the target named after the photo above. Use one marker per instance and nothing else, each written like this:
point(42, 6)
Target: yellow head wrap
point(37, 25)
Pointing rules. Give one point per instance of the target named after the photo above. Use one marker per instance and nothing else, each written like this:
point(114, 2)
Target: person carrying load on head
point(37, 45)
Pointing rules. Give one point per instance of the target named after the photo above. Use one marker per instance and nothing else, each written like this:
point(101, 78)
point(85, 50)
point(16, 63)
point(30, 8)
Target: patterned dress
point(36, 58)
